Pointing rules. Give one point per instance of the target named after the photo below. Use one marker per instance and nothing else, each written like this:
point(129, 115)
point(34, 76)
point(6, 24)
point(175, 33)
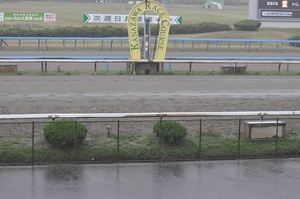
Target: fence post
point(276, 145)
point(170, 67)
point(75, 137)
point(106, 66)
point(111, 44)
point(95, 68)
point(239, 144)
point(32, 144)
point(190, 69)
point(118, 142)
point(200, 139)
point(159, 138)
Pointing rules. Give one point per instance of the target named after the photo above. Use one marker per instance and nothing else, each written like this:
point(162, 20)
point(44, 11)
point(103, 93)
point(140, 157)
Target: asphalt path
point(244, 179)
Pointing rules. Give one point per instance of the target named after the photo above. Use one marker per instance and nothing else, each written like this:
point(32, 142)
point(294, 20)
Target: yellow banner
point(162, 41)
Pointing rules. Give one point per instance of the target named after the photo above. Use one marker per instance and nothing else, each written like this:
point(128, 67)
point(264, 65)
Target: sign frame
point(162, 39)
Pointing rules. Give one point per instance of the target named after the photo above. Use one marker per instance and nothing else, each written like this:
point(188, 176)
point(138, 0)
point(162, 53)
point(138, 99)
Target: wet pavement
point(243, 179)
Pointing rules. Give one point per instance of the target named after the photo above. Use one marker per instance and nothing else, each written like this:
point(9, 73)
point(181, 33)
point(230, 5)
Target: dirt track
point(87, 93)
point(117, 94)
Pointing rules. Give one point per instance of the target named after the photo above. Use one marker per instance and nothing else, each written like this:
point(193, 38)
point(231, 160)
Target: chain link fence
point(133, 140)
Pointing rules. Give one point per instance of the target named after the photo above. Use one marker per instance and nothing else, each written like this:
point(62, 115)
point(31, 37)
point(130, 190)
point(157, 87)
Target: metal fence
point(117, 43)
point(130, 137)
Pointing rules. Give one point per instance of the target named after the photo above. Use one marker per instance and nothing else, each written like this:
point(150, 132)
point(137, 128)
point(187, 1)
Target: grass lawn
point(148, 148)
point(71, 14)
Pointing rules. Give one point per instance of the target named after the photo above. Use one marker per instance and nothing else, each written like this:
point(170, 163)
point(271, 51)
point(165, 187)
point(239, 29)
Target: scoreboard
point(279, 9)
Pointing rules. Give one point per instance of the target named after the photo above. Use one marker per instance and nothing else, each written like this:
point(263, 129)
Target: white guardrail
point(234, 61)
point(183, 42)
point(149, 115)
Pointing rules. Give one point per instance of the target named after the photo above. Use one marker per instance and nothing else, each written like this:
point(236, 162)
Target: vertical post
point(107, 66)
point(162, 67)
point(147, 39)
point(75, 137)
point(46, 67)
point(144, 38)
point(276, 145)
point(279, 66)
point(170, 67)
point(42, 66)
point(159, 138)
point(38, 44)
point(111, 44)
point(200, 140)
point(95, 68)
point(75, 44)
point(239, 139)
point(216, 46)
point(190, 69)
point(118, 142)
point(32, 145)
point(234, 69)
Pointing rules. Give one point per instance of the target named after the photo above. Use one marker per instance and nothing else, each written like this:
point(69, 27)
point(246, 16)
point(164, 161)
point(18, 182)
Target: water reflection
point(67, 177)
point(168, 170)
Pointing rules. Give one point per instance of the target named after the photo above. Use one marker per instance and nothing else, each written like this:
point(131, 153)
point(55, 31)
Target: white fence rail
point(149, 115)
point(234, 61)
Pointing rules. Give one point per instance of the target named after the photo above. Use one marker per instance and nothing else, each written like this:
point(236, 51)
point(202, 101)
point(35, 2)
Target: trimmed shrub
point(110, 31)
point(293, 43)
point(171, 132)
point(198, 28)
point(247, 25)
point(64, 133)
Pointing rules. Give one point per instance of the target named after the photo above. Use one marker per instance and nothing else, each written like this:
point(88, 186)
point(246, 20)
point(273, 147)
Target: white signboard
point(1, 16)
point(117, 18)
point(49, 17)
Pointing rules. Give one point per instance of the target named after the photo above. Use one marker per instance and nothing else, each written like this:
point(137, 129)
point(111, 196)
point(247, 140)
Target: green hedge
point(293, 43)
point(65, 133)
point(109, 31)
point(247, 25)
point(171, 132)
point(198, 28)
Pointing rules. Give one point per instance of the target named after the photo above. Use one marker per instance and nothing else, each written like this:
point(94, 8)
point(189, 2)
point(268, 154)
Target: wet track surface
point(244, 179)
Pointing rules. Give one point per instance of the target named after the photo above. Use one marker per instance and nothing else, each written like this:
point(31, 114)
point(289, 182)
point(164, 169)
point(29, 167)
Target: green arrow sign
point(86, 18)
point(179, 20)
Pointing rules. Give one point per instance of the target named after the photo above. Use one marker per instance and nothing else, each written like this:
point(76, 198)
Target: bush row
point(67, 133)
point(109, 31)
point(247, 25)
point(293, 43)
